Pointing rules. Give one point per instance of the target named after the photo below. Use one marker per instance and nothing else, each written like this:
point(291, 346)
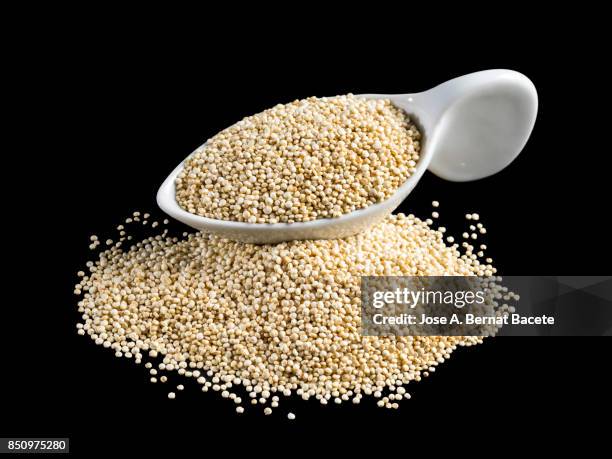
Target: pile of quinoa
point(309, 159)
point(255, 322)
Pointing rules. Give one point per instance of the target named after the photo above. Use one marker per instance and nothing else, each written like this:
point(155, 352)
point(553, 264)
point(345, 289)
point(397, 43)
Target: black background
point(120, 107)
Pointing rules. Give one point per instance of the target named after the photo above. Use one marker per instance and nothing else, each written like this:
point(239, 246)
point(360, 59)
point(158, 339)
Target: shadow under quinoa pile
point(256, 322)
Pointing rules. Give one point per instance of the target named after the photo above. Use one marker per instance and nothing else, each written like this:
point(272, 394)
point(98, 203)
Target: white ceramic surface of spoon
point(472, 126)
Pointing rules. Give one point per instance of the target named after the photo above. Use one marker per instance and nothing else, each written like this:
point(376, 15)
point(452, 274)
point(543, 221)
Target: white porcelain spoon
point(473, 126)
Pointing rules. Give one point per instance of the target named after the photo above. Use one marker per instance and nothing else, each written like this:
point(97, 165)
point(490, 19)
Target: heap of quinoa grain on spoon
point(310, 159)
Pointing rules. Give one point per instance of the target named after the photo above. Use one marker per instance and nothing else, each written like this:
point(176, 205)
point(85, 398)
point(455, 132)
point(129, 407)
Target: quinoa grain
point(274, 319)
point(309, 159)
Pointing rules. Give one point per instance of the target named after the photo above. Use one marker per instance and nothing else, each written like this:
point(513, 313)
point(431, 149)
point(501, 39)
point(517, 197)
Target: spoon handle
point(477, 124)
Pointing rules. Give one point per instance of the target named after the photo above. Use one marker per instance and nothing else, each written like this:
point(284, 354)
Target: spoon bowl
point(472, 127)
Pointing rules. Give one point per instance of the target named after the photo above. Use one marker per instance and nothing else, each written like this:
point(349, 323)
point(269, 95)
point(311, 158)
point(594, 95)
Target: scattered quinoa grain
point(286, 297)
